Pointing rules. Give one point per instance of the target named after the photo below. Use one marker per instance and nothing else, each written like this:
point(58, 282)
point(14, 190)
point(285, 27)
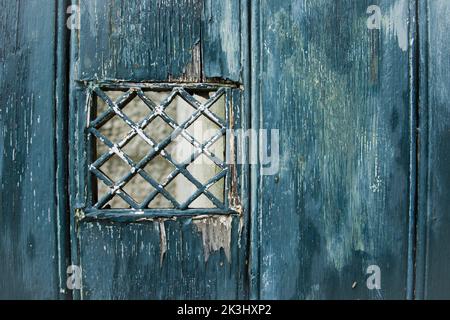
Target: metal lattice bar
point(160, 147)
point(108, 114)
point(177, 171)
point(185, 133)
point(204, 189)
point(137, 167)
point(137, 129)
point(131, 134)
point(118, 188)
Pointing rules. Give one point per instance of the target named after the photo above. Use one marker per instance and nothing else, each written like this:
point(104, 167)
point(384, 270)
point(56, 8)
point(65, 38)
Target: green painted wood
point(123, 262)
point(222, 30)
point(345, 99)
point(28, 241)
point(62, 152)
point(150, 40)
point(157, 41)
point(433, 252)
point(340, 95)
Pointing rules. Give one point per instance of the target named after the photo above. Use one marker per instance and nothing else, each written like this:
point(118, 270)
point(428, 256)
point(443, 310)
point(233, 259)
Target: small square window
point(158, 148)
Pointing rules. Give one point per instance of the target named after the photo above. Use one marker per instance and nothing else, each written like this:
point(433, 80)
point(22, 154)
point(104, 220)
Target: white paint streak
point(228, 35)
point(216, 234)
point(397, 23)
point(162, 240)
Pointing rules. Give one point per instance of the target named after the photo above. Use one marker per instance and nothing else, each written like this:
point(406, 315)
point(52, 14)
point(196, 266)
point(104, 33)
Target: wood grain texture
point(222, 32)
point(344, 101)
point(433, 258)
point(157, 41)
point(146, 40)
point(123, 262)
point(28, 245)
point(339, 94)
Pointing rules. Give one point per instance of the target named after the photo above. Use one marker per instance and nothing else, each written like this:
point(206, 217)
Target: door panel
point(433, 252)
point(340, 95)
point(345, 96)
point(144, 43)
point(28, 215)
point(160, 40)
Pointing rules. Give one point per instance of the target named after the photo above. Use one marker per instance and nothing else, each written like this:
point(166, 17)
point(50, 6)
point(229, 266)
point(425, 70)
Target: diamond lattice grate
point(140, 183)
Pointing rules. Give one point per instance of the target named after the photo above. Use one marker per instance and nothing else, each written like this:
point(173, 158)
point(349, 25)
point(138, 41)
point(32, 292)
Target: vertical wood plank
point(147, 40)
point(28, 244)
point(157, 41)
point(222, 31)
point(433, 252)
point(184, 40)
point(339, 94)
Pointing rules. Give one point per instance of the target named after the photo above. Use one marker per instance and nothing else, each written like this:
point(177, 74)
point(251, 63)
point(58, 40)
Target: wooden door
point(341, 96)
point(158, 55)
point(333, 182)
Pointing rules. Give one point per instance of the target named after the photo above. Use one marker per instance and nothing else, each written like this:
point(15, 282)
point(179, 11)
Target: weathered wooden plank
point(433, 252)
point(124, 262)
point(339, 94)
point(221, 40)
point(62, 61)
point(155, 41)
point(28, 246)
point(144, 40)
point(160, 40)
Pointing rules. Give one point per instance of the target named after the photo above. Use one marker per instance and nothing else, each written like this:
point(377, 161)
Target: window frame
point(83, 153)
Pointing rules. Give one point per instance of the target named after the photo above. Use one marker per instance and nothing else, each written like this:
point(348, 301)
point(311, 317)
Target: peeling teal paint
point(363, 116)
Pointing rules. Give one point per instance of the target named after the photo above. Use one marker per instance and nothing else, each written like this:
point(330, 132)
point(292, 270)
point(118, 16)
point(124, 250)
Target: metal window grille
point(135, 168)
